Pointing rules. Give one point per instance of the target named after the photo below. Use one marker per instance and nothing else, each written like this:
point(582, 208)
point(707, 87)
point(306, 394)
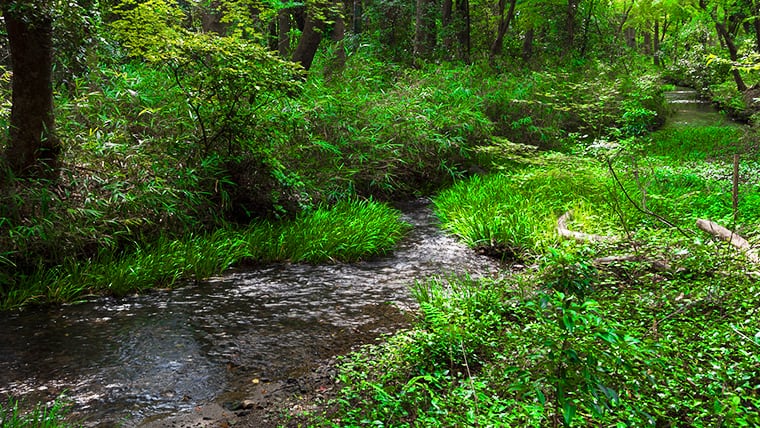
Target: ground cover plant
point(655, 326)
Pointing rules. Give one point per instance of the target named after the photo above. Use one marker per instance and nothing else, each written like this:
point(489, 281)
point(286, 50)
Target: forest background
point(152, 141)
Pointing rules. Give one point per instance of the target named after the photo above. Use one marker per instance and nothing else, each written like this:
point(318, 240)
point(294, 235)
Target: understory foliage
point(519, 352)
point(656, 325)
point(157, 150)
point(348, 231)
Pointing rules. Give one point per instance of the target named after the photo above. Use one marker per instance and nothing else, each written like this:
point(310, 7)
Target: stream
point(688, 109)
point(128, 360)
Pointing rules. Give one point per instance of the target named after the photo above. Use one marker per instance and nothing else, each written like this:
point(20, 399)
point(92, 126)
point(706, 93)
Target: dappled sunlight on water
point(124, 360)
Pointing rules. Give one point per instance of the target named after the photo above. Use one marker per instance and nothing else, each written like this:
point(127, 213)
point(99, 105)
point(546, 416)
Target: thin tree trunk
point(656, 41)
point(527, 48)
point(424, 36)
point(572, 8)
point(504, 20)
point(356, 22)
point(733, 53)
point(446, 19)
point(463, 32)
point(33, 148)
point(337, 36)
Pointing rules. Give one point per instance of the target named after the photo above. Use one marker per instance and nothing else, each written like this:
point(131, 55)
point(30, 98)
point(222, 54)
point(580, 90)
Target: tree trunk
point(211, 19)
point(446, 19)
point(337, 36)
point(425, 35)
point(527, 48)
point(572, 9)
point(504, 20)
point(463, 30)
point(647, 44)
point(309, 42)
point(284, 25)
point(656, 41)
point(733, 53)
point(356, 22)
point(33, 148)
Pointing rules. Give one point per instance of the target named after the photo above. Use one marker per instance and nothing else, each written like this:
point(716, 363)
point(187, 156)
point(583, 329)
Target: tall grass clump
point(517, 212)
point(41, 416)
point(701, 143)
point(349, 231)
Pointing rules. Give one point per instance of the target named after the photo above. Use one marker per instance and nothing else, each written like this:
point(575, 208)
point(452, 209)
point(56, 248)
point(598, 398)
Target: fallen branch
point(564, 232)
point(729, 236)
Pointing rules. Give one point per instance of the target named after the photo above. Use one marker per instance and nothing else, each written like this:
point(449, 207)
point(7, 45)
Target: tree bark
point(337, 36)
point(463, 30)
point(733, 52)
point(446, 19)
point(309, 41)
point(33, 148)
point(283, 32)
point(732, 238)
point(356, 22)
point(656, 41)
point(425, 35)
point(527, 48)
point(504, 20)
point(572, 9)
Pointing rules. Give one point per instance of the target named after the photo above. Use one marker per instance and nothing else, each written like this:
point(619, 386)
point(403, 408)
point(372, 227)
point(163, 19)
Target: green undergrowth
point(348, 231)
point(41, 416)
point(573, 346)
point(626, 193)
point(656, 326)
point(518, 210)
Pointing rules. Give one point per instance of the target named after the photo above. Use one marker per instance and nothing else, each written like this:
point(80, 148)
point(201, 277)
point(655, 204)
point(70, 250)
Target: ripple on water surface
point(124, 360)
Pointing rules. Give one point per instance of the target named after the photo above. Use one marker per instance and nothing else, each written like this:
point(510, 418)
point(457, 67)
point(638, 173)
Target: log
point(564, 232)
point(729, 236)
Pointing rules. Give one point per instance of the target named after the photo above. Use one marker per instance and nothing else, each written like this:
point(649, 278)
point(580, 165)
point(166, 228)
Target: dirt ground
point(285, 403)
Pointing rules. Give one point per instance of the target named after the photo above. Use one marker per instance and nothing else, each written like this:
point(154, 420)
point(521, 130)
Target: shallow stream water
point(123, 361)
point(688, 109)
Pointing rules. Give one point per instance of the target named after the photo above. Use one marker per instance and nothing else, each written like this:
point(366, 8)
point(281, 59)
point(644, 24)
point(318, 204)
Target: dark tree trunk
point(527, 48)
point(425, 34)
point(33, 148)
point(283, 32)
point(309, 42)
point(211, 19)
point(647, 44)
point(624, 19)
point(356, 22)
point(630, 37)
point(656, 40)
point(572, 9)
point(463, 30)
point(337, 36)
point(733, 53)
point(586, 25)
point(504, 20)
point(446, 18)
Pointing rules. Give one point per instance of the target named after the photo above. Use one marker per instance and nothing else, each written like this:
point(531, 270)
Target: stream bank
point(268, 332)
